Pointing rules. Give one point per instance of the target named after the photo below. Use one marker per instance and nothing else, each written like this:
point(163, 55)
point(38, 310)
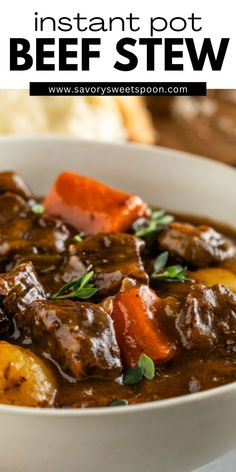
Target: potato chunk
point(210, 277)
point(25, 379)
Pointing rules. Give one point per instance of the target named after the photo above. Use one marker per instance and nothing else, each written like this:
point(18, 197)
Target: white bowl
point(175, 435)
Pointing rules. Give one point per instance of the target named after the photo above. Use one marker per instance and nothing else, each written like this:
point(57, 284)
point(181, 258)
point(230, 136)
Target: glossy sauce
point(189, 372)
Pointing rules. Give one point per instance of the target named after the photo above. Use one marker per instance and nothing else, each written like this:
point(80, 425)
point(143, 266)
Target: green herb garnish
point(80, 288)
point(145, 368)
point(38, 208)
point(175, 273)
point(133, 376)
point(160, 262)
point(78, 238)
point(119, 403)
point(157, 222)
point(147, 365)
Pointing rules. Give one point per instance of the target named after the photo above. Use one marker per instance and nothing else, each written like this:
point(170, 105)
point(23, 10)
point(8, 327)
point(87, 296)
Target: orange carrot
point(91, 206)
point(136, 331)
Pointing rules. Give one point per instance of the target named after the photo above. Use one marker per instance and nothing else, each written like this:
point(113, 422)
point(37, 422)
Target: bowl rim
point(155, 405)
point(139, 407)
point(52, 137)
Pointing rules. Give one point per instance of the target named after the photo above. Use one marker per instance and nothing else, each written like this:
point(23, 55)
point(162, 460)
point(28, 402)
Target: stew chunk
point(25, 379)
point(79, 336)
point(215, 275)
point(20, 288)
point(198, 246)
point(12, 182)
point(11, 206)
point(112, 256)
point(30, 234)
point(207, 317)
point(135, 313)
point(91, 206)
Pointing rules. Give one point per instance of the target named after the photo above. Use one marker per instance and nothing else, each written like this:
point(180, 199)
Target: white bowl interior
point(175, 435)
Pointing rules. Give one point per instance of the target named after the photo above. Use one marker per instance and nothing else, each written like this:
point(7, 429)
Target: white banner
point(125, 41)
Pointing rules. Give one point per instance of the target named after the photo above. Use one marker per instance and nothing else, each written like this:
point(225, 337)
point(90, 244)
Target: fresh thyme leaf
point(119, 403)
point(38, 209)
point(145, 368)
point(85, 279)
point(148, 366)
point(84, 293)
point(133, 375)
point(175, 273)
point(81, 288)
point(65, 288)
point(78, 238)
point(156, 222)
point(156, 214)
point(160, 261)
point(172, 274)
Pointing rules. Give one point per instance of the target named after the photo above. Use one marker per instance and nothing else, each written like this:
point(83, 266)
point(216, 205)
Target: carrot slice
point(91, 206)
point(133, 314)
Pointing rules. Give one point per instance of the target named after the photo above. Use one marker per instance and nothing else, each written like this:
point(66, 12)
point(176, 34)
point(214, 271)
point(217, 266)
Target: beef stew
point(107, 301)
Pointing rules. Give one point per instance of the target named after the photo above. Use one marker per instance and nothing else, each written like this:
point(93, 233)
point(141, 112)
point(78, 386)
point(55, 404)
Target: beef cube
point(32, 233)
point(21, 230)
point(44, 264)
point(11, 206)
point(12, 236)
point(199, 246)
point(49, 234)
point(6, 325)
point(20, 288)
point(112, 256)
point(78, 336)
point(12, 182)
point(207, 317)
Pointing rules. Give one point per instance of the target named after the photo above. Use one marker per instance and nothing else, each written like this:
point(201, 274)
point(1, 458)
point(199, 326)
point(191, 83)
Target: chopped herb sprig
point(81, 288)
point(38, 208)
point(157, 221)
point(121, 402)
point(78, 238)
point(144, 368)
point(174, 273)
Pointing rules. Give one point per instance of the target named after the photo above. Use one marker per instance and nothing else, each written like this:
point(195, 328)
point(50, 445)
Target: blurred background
point(201, 125)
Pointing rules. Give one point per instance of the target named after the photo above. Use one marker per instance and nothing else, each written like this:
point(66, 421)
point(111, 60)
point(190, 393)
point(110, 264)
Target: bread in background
point(99, 118)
